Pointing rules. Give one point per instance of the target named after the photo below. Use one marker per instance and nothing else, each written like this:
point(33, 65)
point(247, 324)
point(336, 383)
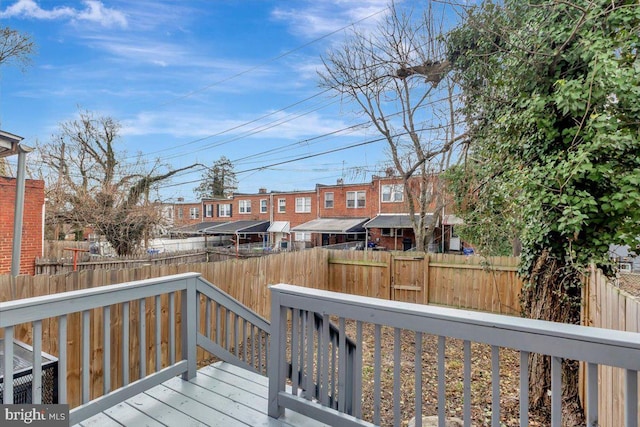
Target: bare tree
point(398, 77)
point(91, 184)
point(15, 47)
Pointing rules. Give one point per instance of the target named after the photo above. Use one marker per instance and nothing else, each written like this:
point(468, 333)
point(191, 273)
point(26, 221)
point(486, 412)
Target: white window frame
point(263, 205)
point(303, 204)
point(244, 207)
point(224, 210)
point(399, 232)
point(282, 205)
point(354, 198)
point(328, 201)
point(392, 193)
point(208, 211)
point(180, 213)
point(302, 236)
point(194, 213)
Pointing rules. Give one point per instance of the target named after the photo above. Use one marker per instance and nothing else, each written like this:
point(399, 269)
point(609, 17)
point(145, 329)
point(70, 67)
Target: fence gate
point(408, 279)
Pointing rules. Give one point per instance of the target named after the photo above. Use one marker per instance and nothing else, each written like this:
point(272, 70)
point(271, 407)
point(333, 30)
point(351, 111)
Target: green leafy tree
point(218, 181)
point(488, 205)
point(552, 97)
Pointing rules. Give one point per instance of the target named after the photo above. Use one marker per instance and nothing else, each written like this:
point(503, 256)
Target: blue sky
point(191, 81)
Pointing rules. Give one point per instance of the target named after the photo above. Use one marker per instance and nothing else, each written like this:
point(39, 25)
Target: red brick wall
point(31, 227)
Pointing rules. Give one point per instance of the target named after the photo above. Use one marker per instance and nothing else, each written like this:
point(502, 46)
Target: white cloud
point(198, 124)
point(94, 12)
point(30, 9)
point(317, 19)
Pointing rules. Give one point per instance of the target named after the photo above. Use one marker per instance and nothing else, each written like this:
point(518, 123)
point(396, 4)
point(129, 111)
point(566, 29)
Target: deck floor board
point(220, 395)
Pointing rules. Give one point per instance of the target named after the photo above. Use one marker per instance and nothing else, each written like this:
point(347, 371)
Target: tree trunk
point(553, 293)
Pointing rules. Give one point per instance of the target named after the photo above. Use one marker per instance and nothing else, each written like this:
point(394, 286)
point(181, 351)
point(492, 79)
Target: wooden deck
point(220, 395)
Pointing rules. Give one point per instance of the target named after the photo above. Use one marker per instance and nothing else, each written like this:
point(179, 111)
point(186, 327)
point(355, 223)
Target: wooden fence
point(464, 282)
point(607, 306)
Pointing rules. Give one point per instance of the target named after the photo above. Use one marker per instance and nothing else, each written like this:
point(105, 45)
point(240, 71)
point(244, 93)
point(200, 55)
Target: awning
point(452, 220)
point(395, 221)
point(279, 227)
point(332, 226)
point(195, 228)
point(238, 227)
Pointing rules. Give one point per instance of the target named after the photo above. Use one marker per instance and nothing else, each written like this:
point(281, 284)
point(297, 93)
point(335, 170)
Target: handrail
point(210, 319)
point(38, 309)
point(559, 341)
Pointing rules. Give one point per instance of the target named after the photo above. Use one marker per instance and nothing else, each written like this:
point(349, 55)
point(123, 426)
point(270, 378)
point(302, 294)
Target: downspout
point(23, 150)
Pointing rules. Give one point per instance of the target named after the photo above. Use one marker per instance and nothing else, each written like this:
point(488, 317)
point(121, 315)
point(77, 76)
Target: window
point(208, 211)
point(356, 199)
point(303, 204)
point(392, 193)
point(180, 214)
point(263, 206)
point(245, 206)
point(389, 232)
point(224, 210)
point(194, 213)
point(282, 205)
point(302, 237)
point(328, 200)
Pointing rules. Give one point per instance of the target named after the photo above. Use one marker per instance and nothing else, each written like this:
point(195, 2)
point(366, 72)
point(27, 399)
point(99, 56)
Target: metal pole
point(19, 209)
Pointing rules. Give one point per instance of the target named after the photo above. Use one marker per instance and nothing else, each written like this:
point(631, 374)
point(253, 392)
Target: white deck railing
point(209, 318)
point(292, 307)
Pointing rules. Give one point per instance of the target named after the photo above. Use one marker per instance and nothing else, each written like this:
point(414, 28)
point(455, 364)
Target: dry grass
point(481, 386)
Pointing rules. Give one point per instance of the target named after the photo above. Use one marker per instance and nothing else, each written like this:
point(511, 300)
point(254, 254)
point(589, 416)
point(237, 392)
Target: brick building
point(32, 226)
point(329, 214)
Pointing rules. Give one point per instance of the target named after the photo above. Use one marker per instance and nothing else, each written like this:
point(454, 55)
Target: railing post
point(188, 327)
point(277, 368)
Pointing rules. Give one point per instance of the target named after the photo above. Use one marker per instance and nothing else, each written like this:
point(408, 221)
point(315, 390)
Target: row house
point(372, 213)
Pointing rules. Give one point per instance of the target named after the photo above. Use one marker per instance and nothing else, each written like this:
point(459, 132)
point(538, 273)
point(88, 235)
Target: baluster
point(441, 382)
point(125, 343)
point(207, 316)
point(524, 388)
point(106, 345)
point(495, 386)
point(158, 308)
point(592, 395)
point(342, 365)
point(295, 348)
point(172, 327)
point(467, 383)
point(397, 359)
point(631, 398)
point(86, 357)
point(324, 360)
point(377, 367)
point(143, 337)
point(62, 359)
point(310, 386)
point(8, 365)
point(417, 366)
point(556, 391)
point(36, 384)
point(357, 392)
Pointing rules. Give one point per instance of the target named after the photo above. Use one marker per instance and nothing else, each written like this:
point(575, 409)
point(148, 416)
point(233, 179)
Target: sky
point(191, 81)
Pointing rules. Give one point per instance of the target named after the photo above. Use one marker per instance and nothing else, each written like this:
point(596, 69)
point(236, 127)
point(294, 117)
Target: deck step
point(220, 395)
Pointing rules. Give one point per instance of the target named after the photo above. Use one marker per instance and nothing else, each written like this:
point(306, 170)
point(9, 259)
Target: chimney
point(262, 191)
point(340, 181)
point(180, 199)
